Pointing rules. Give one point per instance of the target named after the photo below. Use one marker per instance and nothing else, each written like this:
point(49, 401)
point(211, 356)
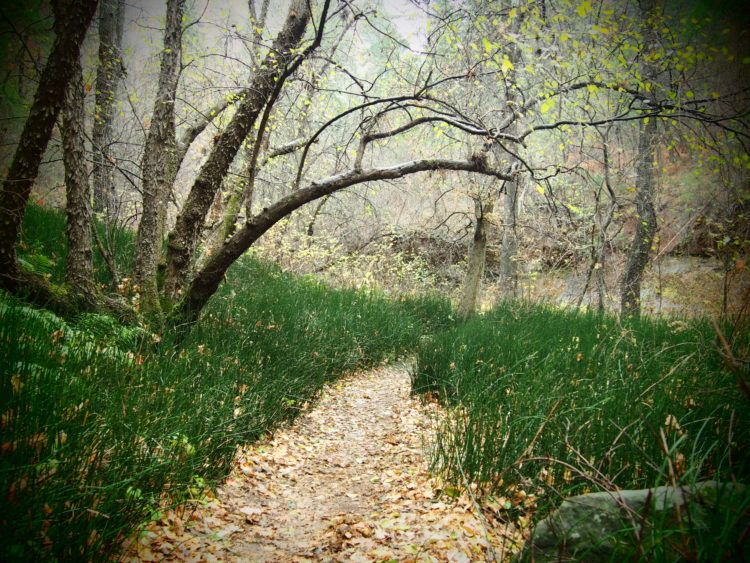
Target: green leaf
point(583, 8)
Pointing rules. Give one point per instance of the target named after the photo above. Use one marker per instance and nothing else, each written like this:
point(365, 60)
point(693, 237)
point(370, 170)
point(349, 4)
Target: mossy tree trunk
point(158, 162)
point(184, 237)
point(109, 72)
point(645, 213)
point(645, 223)
point(79, 273)
point(477, 257)
point(48, 101)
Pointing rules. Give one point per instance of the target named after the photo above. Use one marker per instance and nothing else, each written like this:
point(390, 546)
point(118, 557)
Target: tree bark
point(159, 162)
point(232, 205)
point(509, 249)
point(604, 225)
point(645, 214)
point(48, 101)
point(477, 255)
point(184, 237)
point(207, 280)
point(509, 244)
point(645, 223)
point(197, 127)
point(79, 272)
point(108, 75)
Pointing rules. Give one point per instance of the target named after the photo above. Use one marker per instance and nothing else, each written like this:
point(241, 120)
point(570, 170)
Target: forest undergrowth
point(105, 425)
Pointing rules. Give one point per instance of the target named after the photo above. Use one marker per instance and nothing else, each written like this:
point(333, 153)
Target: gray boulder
point(597, 526)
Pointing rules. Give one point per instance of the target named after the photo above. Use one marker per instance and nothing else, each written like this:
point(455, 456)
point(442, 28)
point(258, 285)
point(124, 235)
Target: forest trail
point(348, 481)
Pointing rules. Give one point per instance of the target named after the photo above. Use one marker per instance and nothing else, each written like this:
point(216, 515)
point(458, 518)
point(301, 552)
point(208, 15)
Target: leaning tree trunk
point(207, 280)
point(645, 214)
point(79, 267)
point(108, 75)
point(184, 237)
point(477, 255)
point(252, 168)
point(645, 222)
point(37, 130)
point(159, 161)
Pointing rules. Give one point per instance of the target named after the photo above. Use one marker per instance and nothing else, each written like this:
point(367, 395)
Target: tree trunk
point(108, 75)
point(233, 203)
point(187, 229)
point(226, 210)
point(48, 101)
point(645, 223)
point(509, 250)
point(79, 268)
point(514, 100)
point(158, 162)
point(645, 214)
point(604, 225)
point(477, 254)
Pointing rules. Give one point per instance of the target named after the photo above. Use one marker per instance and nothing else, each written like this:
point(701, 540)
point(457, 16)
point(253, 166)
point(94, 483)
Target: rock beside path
point(593, 527)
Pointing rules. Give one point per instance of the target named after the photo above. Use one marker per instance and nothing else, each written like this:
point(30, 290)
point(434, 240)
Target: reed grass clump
point(578, 401)
point(44, 247)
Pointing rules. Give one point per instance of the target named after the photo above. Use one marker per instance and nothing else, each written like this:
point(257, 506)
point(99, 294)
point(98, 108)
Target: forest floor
point(348, 481)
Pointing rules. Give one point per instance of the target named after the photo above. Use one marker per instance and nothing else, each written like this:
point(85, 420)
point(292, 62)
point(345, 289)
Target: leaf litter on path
point(348, 481)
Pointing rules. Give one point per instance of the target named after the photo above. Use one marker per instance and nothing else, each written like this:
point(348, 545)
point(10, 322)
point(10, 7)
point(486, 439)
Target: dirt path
point(347, 481)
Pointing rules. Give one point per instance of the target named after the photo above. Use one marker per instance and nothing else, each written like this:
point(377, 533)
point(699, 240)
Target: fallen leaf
point(228, 531)
point(252, 513)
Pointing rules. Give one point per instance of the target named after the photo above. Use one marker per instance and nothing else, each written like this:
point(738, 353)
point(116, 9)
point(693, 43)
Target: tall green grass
point(44, 246)
point(99, 421)
point(103, 423)
point(577, 401)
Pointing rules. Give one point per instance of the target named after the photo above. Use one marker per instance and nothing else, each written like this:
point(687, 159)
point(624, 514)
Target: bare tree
point(514, 100)
point(206, 281)
point(277, 66)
